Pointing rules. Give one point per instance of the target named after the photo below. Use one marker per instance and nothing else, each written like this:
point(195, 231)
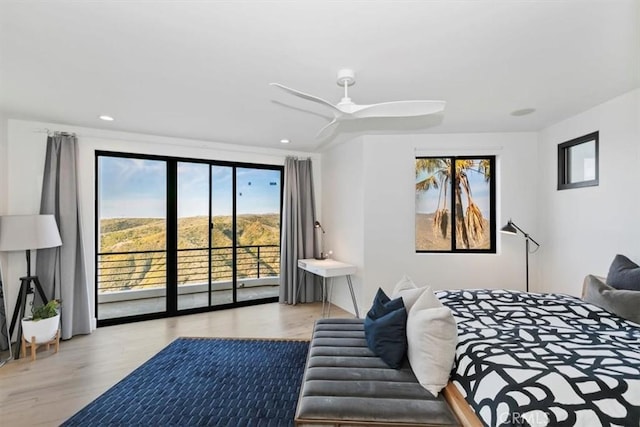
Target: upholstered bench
point(346, 384)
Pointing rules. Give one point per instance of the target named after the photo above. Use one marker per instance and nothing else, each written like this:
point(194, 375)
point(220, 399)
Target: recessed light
point(523, 112)
point(106, 118)
point(285, 141)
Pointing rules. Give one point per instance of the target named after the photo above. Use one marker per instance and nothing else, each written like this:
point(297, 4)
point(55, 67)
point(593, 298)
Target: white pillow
point(403, 284)
point(408, 291)
point(432, 337)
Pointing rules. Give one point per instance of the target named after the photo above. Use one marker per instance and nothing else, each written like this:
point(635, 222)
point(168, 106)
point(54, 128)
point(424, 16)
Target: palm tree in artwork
point(470, 225)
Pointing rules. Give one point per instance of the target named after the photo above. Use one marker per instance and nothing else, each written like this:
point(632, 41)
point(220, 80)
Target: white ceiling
point(200, 69)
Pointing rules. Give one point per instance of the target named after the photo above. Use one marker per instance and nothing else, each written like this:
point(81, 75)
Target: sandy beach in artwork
point(427, 240)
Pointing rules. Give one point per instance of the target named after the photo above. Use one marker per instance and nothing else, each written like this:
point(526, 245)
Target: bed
point(544, 359)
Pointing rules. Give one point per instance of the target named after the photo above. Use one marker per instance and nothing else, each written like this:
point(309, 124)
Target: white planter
point(44, 329)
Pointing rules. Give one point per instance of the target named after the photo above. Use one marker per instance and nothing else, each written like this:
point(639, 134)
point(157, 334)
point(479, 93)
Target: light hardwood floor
point(56, 386)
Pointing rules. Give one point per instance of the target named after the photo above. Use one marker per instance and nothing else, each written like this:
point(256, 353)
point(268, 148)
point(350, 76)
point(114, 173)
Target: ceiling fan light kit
point(348, 110)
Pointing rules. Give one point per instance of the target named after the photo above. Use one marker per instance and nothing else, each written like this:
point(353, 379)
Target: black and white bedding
point(544, 359)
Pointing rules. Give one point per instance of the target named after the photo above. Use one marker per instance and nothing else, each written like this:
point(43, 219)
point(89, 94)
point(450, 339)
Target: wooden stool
point(34, 346)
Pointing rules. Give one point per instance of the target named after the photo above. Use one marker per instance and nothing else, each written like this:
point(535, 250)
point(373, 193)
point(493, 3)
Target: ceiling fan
point(348, 110)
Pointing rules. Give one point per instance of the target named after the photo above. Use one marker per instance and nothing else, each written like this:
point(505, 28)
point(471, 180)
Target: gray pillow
point(620, 302)
point(624, 274)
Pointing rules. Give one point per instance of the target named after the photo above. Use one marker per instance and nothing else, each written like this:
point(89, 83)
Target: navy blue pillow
point(385, 329)
point(382, 305)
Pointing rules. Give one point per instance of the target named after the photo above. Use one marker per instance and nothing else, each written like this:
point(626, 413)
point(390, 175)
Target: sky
point(136, 188)
point(427, 201)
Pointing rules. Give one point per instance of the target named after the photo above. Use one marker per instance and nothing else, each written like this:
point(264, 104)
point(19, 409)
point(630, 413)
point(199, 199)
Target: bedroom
point(364, 178)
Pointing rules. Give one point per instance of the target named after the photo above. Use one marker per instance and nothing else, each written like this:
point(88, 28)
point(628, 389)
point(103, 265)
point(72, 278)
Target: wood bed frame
point(461, 409)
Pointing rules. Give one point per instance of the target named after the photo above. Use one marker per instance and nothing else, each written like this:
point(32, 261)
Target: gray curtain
point(298, 233)
point(61, 270)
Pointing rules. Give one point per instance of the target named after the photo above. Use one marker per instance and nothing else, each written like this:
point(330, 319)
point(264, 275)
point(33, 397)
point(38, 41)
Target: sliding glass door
point(131, 244)
point(205, 221)
point(181, 235)
point(257, 233)
point(222, 225)
point(193, 235)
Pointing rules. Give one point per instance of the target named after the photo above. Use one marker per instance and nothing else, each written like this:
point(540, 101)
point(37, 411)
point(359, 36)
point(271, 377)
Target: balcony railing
point(139, 270)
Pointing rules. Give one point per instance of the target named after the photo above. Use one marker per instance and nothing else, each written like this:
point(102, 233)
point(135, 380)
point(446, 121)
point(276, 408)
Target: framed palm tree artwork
point(455, 204)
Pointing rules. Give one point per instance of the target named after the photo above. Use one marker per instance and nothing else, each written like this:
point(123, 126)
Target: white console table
point(329, 269)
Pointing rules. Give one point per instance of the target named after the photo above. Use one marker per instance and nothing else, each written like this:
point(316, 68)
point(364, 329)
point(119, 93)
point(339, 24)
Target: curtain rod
point(53, 133)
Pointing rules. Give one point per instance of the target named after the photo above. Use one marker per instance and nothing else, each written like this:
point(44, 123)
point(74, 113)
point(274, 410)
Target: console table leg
point(324, 295)
point(353, 296)
point(329, 295)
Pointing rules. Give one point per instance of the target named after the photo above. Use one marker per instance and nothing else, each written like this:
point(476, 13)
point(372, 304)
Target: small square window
point(578, 162)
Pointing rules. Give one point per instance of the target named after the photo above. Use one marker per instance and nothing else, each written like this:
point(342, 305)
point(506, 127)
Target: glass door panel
point(222, 289)
point(193, 235)
point(131, 254)
point(257, 233)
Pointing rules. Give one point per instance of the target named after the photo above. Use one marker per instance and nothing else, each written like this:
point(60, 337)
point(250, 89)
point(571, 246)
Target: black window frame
point(564, 162)
point(171, 246)
point(492, 203)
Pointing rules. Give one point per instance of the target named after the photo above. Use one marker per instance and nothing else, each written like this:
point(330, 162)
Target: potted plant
point(43, 323)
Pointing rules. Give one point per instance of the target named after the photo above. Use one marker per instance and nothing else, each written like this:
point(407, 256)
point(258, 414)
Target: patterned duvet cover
point(544, 359)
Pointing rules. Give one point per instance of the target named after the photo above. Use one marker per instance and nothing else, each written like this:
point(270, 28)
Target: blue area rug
point(206, 382)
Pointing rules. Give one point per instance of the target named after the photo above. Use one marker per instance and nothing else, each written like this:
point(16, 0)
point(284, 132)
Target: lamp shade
point(25, 232)
point(509, 228)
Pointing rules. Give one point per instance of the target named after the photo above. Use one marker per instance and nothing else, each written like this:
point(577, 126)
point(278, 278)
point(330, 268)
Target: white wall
point(388, 211)
point(584, 228)
point(3, 163)
point(343, 215)
point(3, 186)
point(25, 156)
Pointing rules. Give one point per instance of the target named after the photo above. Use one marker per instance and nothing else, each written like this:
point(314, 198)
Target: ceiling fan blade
point(398, 109)
point(306, 96)
point(325, 127)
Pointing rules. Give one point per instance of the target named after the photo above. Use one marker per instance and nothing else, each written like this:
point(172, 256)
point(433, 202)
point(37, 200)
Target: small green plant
point(46, 311)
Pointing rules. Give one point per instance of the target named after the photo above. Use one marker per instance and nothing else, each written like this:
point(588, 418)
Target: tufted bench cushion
point(345, 383)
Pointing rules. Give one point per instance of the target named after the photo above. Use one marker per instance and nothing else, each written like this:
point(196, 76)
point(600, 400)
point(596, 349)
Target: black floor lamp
point(512, 228)
point(25, 233)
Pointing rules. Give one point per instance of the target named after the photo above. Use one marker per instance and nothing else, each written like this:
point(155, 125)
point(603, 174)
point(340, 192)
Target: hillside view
point(120, 270)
